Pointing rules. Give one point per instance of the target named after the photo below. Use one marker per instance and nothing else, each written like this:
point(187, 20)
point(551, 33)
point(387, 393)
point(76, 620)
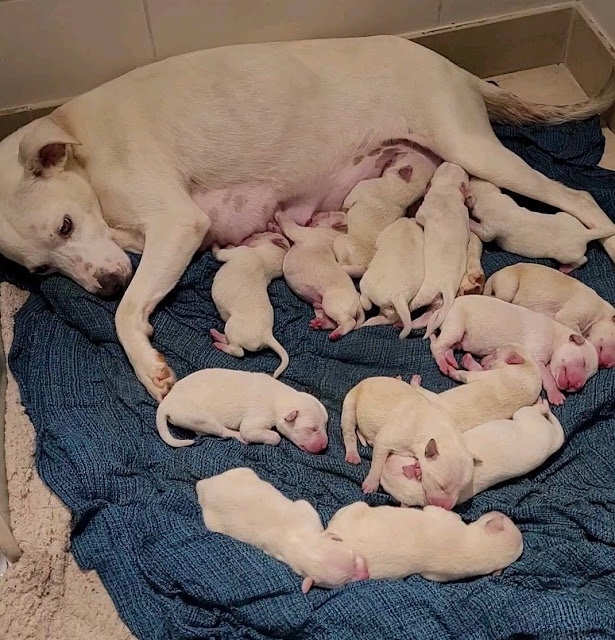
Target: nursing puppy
point(473, 280)
point(239, 292)
point(432, 542)
point(508, 449)
point(508, 380)
point(395, 274)
point(562, 298)
point(444, 217)
point(393, 417)
point(311, 271)
point(242, 405)
point(481, 324)
point(376, 203)
point(239, 504)
point(534, 235)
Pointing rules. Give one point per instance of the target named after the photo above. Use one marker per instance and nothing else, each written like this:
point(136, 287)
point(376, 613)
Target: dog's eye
point(66, 228)
point(40, 270)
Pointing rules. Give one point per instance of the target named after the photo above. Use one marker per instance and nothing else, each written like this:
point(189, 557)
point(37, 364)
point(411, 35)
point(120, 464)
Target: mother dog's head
point(50, 217)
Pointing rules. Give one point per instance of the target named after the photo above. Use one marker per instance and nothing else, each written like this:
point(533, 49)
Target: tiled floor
point(554, 85)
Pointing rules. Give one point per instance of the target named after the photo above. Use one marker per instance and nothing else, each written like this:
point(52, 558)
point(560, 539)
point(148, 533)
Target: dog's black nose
point(110, 284)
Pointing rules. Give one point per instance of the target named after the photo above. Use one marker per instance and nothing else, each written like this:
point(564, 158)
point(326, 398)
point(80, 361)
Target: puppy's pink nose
point(445, 501)
point(316, 445)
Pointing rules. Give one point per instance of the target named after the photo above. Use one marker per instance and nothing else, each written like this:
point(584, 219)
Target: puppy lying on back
point(393, 417)
point(239, 292)
point(534, 235)
point(481, 324)
point(508, 449)
point(432, 542)
point(562, 298)
point(242, 405)
point(395, 274)
point(506, 380)
point(239, 504)
point(311, 271)
point(444, 217)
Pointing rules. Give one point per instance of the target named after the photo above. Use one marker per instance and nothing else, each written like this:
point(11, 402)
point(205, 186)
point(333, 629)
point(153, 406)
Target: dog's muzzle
point(111, 284)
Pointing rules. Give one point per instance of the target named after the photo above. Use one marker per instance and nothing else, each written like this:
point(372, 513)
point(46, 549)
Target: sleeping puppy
point(239, 504)
point(534, 235)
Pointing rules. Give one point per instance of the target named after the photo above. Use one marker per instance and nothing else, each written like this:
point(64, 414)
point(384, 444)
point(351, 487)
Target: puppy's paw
point(369, 485)
point(353, 457)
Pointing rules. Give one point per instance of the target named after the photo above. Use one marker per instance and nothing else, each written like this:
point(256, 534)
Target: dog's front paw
point(157, 377)
point(369, 485)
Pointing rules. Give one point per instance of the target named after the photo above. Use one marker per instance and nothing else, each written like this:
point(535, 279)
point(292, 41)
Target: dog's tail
point(507, 108)
point(439, 315)
point(163, 429)
point(403, 311)
point(274, 345)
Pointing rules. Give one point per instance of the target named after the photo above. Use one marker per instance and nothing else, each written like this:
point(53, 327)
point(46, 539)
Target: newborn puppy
point(534, 235)
point(239, 504)
point(393, 417)
point(474, 278)
point(239, 292)
point(395, 274)
point(508, 449)
point(481, 324)
point(311, 271)
point(242, 405)
point(562, 298)
point(375, 204)
point(444, 217)
point(508, 380)
point(432, 542)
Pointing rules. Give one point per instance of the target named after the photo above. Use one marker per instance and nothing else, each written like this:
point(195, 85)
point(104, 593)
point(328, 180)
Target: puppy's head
point(573, 363)
point(50, 216)
point(602, 336)
point(304, 423)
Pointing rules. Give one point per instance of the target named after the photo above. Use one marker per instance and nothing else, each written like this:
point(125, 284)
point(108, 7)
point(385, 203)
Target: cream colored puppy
point(527, 233)
point(474, 278)
point(376, 203)
point(481, 324)
point(444, 217)
point(505, 381)
point(393, 417)
point(508, 449)
point(239, 504)
point(395, 274)
point(311, 271)
point(562, 298)
point(432, 542)
point(242, 405)
point(239, 292)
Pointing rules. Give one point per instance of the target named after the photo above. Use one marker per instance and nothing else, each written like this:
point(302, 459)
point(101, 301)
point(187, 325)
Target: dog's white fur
point(148, 161)
point(395, 274)
point(508, 449)
point(481, 324)
point(239, 291)
point(432, 542)
point(311, 271)
point(375, 204)
point(392, 417)
point(473, 280)
point(242, 405)
point(444, 217)
point(509, 380)
point(562, 298)
point(239, 504)
point(527, 233)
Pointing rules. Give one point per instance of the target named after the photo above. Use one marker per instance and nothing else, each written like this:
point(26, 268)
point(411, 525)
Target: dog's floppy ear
point(44, 148)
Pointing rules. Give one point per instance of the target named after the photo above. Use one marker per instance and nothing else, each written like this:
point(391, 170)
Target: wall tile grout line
point(149, 29)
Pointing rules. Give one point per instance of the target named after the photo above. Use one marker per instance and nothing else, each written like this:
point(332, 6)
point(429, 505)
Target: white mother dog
point(205, 147)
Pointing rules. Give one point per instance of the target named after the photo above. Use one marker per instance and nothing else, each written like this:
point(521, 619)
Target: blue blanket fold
point(137, 522)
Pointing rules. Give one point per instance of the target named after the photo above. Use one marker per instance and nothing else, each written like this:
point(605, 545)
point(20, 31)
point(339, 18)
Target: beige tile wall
point(53, 49)
point(603, 11)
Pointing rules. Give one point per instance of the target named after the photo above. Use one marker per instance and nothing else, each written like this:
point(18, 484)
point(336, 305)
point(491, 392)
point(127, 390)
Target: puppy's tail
point(163, 429)
point(349, 426)
point(274, 345)
point(507, 108)
point(403, 311)
point(439, 315)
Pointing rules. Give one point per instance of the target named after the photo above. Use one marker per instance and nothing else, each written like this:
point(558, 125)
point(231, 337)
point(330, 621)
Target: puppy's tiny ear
point(408, 471)
point(514, 358)
point(280, 242)
point(495, 524)
point(477, 460)
point(292, 416)
point(307, 584)
point(431, 450)
point(576, 338)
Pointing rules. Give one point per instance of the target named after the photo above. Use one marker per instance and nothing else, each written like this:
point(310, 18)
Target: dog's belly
point(239, 211)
